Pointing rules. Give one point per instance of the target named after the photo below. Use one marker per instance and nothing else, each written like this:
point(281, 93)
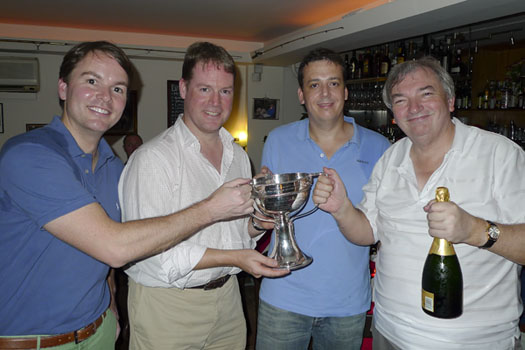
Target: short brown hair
point(206, 52)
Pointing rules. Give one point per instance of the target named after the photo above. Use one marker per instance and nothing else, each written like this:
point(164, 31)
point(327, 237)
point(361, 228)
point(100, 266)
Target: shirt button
point(86, 171)
point(83, 156)
point(321, 155)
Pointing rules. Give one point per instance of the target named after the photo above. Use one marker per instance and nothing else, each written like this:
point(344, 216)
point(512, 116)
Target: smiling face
point(421, 107)
point(208, 99)
point(323, 92)
point(94, 96)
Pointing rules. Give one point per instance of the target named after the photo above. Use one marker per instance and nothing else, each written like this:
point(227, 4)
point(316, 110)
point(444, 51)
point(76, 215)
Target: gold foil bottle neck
point(442, 194)
point(441, 246)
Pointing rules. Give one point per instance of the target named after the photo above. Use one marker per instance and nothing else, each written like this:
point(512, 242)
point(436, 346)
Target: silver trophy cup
point(280, 196)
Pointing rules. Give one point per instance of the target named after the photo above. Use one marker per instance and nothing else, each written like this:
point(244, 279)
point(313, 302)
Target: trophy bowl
point(279, 196)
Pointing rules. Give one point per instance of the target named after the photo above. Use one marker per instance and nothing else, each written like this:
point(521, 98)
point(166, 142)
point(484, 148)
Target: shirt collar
point(190, 140)
point(104, 150)
point(458, 144)
point(460, 136)
point(303, 132)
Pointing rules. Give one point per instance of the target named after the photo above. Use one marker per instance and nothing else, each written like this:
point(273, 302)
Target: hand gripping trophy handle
point(279, 196)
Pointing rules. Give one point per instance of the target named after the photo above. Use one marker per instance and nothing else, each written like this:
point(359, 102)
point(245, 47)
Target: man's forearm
point(511, 241)
point(354, 225)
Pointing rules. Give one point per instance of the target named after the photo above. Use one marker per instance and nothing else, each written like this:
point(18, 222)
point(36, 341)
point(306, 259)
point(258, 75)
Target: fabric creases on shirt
point(484, 174)
point(168, 174)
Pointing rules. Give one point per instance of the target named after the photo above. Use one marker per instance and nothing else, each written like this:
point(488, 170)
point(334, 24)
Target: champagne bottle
point(442, 284)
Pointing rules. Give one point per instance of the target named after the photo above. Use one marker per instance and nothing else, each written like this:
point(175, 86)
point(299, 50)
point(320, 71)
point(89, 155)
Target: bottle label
point(384, 68)
point(427, 300)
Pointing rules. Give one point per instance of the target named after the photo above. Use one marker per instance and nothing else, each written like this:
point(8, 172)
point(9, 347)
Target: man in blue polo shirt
point(328, 299)
point(60, 224)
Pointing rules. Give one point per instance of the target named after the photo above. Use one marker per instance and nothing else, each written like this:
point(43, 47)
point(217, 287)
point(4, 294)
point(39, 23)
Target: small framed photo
point(1, 118)
point(30, 127)
point(265, 108)
point(128, 122)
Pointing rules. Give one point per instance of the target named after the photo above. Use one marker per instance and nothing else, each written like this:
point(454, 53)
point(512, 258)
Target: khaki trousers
point(172, 318)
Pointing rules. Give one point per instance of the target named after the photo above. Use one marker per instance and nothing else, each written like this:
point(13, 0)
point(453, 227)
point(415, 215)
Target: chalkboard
point(175, 102)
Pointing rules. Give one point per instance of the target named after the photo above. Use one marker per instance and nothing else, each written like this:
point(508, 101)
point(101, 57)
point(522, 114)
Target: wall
point(277, 82)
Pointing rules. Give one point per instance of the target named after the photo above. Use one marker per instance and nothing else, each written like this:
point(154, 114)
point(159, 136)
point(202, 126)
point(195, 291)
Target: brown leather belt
point(53, 340)
point(217, 283)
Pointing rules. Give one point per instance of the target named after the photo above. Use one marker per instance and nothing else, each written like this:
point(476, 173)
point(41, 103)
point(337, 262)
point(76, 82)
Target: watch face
point(494, 231)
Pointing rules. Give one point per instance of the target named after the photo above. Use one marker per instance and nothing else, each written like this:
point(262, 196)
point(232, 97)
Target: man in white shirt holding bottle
point(484, 173)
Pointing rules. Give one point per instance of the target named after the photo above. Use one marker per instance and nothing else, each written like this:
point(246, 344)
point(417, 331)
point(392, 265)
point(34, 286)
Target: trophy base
point(294, 265)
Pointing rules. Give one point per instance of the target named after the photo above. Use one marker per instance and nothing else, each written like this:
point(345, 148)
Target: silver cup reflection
point(280, 196)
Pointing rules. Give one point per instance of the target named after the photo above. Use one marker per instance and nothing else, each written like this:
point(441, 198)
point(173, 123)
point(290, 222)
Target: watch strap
point(490, 241)
point(257, 227)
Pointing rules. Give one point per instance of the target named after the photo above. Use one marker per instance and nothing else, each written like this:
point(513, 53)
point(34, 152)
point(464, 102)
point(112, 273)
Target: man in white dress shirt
point(484, 173)
point(188, 296)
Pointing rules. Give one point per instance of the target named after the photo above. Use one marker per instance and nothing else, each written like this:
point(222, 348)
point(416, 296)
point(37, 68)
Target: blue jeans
point(279, 329)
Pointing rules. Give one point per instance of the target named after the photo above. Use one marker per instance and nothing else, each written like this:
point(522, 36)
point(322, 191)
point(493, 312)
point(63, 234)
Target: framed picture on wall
point(128, 122)
point(30, 127)
point(265, 108)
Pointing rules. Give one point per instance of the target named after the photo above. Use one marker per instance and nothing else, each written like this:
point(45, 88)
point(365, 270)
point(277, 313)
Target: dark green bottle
point(442, 284)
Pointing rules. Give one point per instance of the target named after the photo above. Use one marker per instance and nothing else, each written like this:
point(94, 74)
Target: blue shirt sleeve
point(41, 182)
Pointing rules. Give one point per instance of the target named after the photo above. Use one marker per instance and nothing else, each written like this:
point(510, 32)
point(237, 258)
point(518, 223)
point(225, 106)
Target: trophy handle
point(293, 218)
point(316, 174)
point(253, 215)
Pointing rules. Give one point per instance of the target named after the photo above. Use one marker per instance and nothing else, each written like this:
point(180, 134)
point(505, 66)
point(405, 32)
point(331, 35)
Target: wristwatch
point(257, 227)
point(492, 234)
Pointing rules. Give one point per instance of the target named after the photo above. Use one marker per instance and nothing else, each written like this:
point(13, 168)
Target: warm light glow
point(243, 137)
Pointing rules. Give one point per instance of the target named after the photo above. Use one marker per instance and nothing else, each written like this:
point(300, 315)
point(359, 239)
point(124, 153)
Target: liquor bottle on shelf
point(521, 98)
point(367, 64)
point(378, 57)
point(410, 52)
point(505, 93)
point(352, 74)
point(359, 67)
point(470, 66)
point(347, 67)
point(458, 103)
point(400, 57)
point(486, 98)
point(467, 97)
point(458, 68)
point(442, 282)
point(424, 49)
point(385, 63)
point(446, 56)
point(480, 100)
point(513, 101)
point(492, 94)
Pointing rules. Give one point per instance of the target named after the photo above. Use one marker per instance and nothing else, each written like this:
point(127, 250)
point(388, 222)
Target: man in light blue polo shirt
point(328, 299)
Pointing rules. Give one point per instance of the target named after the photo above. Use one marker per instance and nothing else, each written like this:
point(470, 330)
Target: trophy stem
point(285, 249)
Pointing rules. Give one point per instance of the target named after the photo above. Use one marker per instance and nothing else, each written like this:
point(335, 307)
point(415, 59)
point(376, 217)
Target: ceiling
point(276, 32)
point(244, 20)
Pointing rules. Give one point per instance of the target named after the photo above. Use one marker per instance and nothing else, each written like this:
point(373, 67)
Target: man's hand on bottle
point(447, 220)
